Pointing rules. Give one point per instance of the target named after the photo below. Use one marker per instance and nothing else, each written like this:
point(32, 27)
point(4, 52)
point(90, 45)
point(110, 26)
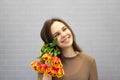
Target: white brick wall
point(95, 23)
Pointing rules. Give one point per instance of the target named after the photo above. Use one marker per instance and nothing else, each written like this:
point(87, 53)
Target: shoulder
point(87, 57)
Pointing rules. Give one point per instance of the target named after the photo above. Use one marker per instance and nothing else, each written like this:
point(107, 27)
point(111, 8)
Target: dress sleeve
point(93, 71)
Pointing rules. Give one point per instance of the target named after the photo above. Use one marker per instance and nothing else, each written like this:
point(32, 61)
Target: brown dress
point(80, 67)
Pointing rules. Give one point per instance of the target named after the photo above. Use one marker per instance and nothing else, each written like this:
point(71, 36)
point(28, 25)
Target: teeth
point(65, 38)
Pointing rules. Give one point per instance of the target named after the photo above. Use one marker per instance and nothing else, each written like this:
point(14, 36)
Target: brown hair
point(46, 34)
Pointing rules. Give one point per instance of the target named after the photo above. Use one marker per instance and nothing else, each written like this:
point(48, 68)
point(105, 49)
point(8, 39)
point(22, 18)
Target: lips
point(65, 39)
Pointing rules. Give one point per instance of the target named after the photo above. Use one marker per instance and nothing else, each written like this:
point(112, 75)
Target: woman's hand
point(46, 77)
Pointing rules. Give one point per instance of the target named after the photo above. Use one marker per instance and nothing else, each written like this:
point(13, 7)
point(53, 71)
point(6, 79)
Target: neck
point(68, 52)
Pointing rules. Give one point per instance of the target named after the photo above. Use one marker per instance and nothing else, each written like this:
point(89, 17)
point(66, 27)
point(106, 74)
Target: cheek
point(69, 32)
point(58, 41)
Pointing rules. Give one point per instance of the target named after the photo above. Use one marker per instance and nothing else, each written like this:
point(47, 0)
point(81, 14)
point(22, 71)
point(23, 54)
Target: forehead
point(56, 26)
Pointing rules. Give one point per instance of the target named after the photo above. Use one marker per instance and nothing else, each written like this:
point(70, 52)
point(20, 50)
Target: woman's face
point(62, 33)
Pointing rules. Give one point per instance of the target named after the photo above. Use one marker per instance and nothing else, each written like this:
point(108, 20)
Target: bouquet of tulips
point(52, 65)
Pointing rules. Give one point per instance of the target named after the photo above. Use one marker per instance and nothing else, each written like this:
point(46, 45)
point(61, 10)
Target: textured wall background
point(96, 24)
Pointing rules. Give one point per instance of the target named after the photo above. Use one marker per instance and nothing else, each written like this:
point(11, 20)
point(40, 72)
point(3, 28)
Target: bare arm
point(44, 77)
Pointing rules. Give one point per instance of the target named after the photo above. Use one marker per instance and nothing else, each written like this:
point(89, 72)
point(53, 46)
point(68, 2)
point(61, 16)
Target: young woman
point(77, 64)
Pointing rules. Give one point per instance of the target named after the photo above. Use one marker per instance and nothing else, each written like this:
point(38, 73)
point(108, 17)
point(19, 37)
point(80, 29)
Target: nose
point(63, 34)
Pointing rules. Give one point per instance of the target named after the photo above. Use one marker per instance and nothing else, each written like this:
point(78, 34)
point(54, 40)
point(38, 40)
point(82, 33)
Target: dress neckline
point(77, 53)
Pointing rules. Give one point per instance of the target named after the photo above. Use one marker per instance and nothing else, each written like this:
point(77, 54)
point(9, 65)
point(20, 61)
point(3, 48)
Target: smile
point(66, 39)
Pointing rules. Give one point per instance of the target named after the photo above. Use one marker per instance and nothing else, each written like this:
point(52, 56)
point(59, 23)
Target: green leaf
point(54, 43)
point(58, 52)
point(42, 49)
point(50, 48)
point(55, 54)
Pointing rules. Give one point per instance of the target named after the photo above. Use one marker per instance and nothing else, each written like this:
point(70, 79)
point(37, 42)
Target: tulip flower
point(49, 70)
point(56, 62)
point(60, 72)
point(43, 68)
point(53, 65)
point(35, 65)
point(47, 58)
point(55, 71)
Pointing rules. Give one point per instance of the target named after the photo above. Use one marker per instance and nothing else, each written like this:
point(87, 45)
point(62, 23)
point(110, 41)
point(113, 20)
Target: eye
point(56, 35)
point(64, 28)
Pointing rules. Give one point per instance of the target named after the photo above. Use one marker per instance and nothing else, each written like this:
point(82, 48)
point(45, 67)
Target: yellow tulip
point(47, 58)
point(56, 62)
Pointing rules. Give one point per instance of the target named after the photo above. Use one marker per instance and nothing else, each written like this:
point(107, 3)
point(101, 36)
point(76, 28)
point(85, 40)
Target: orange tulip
point(49, 70)
point(47, 58)
point(32, 63)
point(60, 72)
point(43, 68)
point(54, 68)
point(35, 65)
point(56, 62)
point(55, 71)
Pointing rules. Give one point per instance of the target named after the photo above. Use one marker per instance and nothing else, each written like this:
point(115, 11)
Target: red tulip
point(43, 68)
point(54, 68)
point(55, 71)
point(49, 70)
point(56, 62)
